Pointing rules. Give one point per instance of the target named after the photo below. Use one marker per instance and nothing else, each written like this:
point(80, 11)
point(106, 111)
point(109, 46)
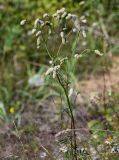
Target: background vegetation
point(20, 60)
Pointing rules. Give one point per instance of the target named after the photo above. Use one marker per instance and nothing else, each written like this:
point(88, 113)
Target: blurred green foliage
point(17, 51)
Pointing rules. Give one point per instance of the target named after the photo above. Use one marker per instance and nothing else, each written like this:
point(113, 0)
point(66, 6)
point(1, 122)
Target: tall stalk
point(73, 141)
point(72, 119)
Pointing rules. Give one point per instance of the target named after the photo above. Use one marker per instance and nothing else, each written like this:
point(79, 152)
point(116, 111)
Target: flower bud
point(23, 22)
point(64, 15)
point(62, 10)
point(38, 42)
point(62, 34)
point(38, 21)
point(50, 70)
point(54, 74)
point(38, 33)
point(45, 15)
point(84, 20)
point(69, 16)
point(63, 40)
point(84, 34)
point(98, 53)
point(33, 30)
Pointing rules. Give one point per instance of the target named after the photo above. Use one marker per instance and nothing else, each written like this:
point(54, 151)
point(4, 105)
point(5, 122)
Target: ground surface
point(40, 123)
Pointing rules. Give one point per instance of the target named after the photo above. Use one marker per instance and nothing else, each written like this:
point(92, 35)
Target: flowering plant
point(61, 26)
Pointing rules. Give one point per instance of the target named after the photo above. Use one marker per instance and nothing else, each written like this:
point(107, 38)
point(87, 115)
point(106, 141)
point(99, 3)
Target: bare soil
point(40, 123)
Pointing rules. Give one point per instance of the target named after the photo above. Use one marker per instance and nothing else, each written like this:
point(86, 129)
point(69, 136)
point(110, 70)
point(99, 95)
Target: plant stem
point(47, 48)
point(71, 114)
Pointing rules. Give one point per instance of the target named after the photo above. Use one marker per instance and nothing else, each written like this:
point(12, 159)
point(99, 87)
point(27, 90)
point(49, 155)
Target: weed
point(44, 30)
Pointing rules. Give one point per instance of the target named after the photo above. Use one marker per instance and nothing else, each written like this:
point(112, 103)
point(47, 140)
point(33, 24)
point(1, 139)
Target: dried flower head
point(63, 37)
point(63, 59)
point(76, 22)
point(69, 16)
point(64, 15)
point(38, 42)
point(33, 30)
point(84, 20)
point(52, 70)
point(77, 56)
point(62, 34)
point(97, 52)
point(45, 15)
point(23, 22)
point(61, 11)
point(36, 23)
point(84, 33)
point(38, 33)
point(82, 3)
